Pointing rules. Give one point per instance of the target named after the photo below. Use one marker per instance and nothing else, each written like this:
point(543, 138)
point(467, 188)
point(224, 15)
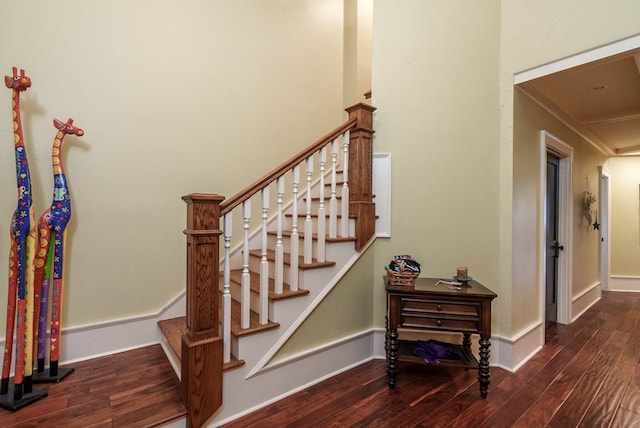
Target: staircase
point(302, 226)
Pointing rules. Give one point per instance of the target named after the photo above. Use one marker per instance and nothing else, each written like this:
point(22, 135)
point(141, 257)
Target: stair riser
point(236, 293)
point(287, 224)
point(255, 264)
point(286, 244)
point(315, 205)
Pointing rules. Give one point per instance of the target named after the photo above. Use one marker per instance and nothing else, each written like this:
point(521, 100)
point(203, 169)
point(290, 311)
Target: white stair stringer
point(257, 383)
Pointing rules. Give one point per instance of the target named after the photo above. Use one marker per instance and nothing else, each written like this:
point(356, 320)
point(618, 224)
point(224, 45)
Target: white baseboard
point(515, 351)
point(290, 376)
point(88, 341)
point(624, 283)
point(583, 301)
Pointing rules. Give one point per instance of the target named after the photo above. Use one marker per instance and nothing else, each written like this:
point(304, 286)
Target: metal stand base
point(47, 377)
point(9, 402)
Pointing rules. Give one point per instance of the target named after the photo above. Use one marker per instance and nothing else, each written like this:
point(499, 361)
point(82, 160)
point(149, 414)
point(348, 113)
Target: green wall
point(625, 216)
point(173, 96)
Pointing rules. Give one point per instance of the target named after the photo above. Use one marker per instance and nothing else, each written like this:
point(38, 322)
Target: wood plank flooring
point(137, 388)
point(587, 375)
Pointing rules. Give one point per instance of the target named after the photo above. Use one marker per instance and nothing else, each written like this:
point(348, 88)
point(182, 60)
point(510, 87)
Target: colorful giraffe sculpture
point(20, 260)
point(50, 258)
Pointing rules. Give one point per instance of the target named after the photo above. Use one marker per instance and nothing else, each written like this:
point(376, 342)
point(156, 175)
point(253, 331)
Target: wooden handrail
point(249, 191)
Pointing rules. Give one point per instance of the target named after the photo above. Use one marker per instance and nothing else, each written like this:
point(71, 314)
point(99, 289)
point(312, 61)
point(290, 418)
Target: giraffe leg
point(41, 284)
point(56, 308)
point(21, 245)
point(29, 306)
point(20, 348)
point(11, 316)
point(42, 325)
point(56, 303)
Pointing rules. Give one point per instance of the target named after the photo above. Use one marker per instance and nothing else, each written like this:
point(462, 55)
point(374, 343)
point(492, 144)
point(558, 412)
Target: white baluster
point(226, 292)
point(264, 262)
point(279, 280)
point(333, 200)
point(344, 223)
point(295, 243)
point(308, 225)
point(246, 277)
point(322, 225)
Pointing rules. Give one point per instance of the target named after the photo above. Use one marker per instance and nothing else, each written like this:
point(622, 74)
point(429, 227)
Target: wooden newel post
point(361, 203)
point(202, 347)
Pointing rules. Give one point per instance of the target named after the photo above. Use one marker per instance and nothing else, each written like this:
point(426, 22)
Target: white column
point(295, 243)
point(333, 200)
point(308, 224)
point(322, 225)
point(344, 223)
point(264, 262)
point(279, 280)
point(226, 292)
point(245, 303)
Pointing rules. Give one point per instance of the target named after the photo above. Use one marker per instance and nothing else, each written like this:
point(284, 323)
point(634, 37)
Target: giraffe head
point(68, 127)
point(17, 82)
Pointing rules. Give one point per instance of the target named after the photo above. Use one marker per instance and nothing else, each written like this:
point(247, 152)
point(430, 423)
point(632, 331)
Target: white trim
point(583, 301)
point(517, 350)
point(548, 142)
point(317, 350)
point(294, 375)
point(624, 283)
point(381, 177)
point(579, 59)
point(95, 340)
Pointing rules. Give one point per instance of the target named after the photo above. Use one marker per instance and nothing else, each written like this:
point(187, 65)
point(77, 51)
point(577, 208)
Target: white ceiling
point(599, 100)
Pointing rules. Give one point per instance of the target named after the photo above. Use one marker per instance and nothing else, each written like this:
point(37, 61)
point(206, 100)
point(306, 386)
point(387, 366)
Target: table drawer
point(435, 323)
point(437, 308)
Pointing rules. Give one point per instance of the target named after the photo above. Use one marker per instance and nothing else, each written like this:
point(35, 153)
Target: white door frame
point(551, 144)
point(605, 223)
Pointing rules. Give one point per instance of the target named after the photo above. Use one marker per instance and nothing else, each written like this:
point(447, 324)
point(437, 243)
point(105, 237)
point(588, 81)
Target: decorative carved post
point(201, 362)
point(361, 203)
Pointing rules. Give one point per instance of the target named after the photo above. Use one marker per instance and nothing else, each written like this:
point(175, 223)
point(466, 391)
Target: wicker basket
point(407, 278)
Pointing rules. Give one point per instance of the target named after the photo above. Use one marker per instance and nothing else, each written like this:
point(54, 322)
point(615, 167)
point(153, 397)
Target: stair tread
point(301, 216)
point(236, 276)
point(254, 321)
point(287, 233)
point(173, 330)
point(286, 259)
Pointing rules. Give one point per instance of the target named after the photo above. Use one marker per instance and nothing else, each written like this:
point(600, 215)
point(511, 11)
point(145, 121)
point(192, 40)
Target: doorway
point(605, 258)
point(553, 248)
point(555, 262)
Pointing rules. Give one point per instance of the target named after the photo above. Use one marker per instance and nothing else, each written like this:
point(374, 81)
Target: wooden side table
point(431, 306)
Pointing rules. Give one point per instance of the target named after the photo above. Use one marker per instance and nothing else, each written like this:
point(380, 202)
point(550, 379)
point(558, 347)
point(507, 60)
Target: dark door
point(553, 246)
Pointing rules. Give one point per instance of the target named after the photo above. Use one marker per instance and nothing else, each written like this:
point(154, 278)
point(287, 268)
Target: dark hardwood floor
point(587, 375)
point(137, 388)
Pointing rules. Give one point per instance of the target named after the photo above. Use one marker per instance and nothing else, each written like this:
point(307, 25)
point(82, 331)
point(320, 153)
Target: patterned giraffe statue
point(50, 258)
point(20, 259)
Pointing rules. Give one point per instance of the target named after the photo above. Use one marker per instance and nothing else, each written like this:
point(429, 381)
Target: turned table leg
point(466, 339)
point(483, 367)
point(392, 357)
